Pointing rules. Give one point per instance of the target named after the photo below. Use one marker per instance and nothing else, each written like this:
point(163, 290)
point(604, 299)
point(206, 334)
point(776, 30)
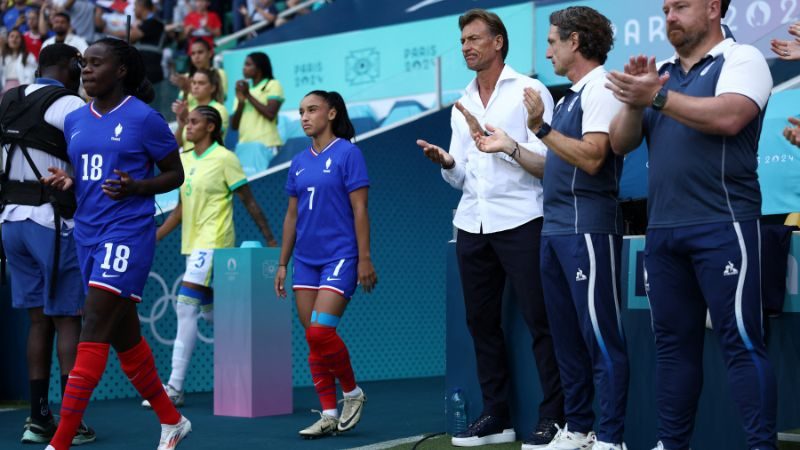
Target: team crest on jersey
point(327, 166)
point(117, 132)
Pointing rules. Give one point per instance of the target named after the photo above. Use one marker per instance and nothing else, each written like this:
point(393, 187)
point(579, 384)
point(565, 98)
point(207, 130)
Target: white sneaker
point(600, 445)
point(351, 411)
point(171, 435)
point(175, 396)
point(567, 440)
point(660, 446)
point(326, 425)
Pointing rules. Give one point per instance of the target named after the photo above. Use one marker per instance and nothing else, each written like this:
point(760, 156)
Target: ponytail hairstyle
point(341, 125)
point(135, 82)
point(212, 115)
point(262, 63)
point(215, 81)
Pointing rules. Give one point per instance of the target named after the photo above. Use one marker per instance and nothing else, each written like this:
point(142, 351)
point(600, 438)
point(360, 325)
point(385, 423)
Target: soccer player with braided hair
point(114, 143)
point(205, 213)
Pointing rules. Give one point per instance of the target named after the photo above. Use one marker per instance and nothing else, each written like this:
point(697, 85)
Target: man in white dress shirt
point(499, 221)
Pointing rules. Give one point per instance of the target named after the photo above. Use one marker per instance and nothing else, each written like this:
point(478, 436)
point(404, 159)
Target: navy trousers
point(715, 266)
point(580, 276)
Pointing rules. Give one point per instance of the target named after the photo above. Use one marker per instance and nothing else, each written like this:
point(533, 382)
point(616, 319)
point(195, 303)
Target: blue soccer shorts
point(339, 276)
point(29, 249)
point(120, 267)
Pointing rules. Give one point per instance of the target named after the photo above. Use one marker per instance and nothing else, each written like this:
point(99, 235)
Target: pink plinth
point(252, 335)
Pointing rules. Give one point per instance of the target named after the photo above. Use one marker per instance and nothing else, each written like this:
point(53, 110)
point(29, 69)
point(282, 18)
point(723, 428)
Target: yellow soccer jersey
point(206, 198)
point(253, 127)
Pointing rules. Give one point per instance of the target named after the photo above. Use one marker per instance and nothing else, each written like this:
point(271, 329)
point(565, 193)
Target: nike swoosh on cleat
point(345, 424)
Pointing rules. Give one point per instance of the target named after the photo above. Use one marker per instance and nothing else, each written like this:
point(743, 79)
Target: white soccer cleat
point(172, 435)
point(351, 411)
point(325, 426)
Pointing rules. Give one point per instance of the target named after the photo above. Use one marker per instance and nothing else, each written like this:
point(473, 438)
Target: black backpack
point(22, 125)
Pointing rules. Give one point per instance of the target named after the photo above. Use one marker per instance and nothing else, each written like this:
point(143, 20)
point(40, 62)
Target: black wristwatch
point(660, 99)
point(544, 130)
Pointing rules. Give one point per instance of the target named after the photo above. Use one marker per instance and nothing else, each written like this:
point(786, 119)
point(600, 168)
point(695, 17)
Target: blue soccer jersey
point(131, 138)
point(322, 183)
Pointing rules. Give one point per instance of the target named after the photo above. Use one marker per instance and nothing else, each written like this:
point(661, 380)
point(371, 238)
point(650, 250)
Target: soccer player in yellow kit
point(205, 210)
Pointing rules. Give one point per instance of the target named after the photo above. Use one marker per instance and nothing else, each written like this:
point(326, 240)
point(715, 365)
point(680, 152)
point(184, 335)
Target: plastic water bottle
point(458, 411)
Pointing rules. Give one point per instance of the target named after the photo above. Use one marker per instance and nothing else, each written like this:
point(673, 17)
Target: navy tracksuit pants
point(715, 266)
point(580, 277)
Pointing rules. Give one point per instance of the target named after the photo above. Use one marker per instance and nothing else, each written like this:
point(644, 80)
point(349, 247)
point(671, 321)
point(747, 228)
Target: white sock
point(331, 412)
point(184, 343)
point(354, 393)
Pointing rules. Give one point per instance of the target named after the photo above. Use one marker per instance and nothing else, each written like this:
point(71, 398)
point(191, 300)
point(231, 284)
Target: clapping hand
point(639, 84)
point(497, 142)
point(181, 110)
point(792, 133)
point(535, 106)
point(242, 87)
point(472, 122)
point(436, 153)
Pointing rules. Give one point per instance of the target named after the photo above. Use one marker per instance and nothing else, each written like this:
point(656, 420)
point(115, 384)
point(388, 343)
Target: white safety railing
point(259, 25)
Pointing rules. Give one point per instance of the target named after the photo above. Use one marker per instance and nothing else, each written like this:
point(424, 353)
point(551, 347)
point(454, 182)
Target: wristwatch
point(543, 131)
point(660, 99)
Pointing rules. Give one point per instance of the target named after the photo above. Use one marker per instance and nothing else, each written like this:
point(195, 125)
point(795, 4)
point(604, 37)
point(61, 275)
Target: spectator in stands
point(201, 56)
point(262, 11)
point(201, 24)
point(19, 66)
point(289, 5)
point(256, 113)
point(15, 16)
point(33, 38)
point(147, 34)
point(80, 11)
point(174, 20)
point(206, 91)
point(110, 19)
point(61, 24)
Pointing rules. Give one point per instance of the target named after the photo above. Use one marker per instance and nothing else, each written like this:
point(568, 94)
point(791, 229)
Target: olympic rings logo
point(159, 309)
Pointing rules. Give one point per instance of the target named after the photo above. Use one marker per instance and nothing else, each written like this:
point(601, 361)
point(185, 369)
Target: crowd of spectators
point(164, 30)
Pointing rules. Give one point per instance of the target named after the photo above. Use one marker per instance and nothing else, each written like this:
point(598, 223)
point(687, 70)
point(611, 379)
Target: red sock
point(140, 367)
point(326, 343)
point(324, 381)
point(90, 364)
